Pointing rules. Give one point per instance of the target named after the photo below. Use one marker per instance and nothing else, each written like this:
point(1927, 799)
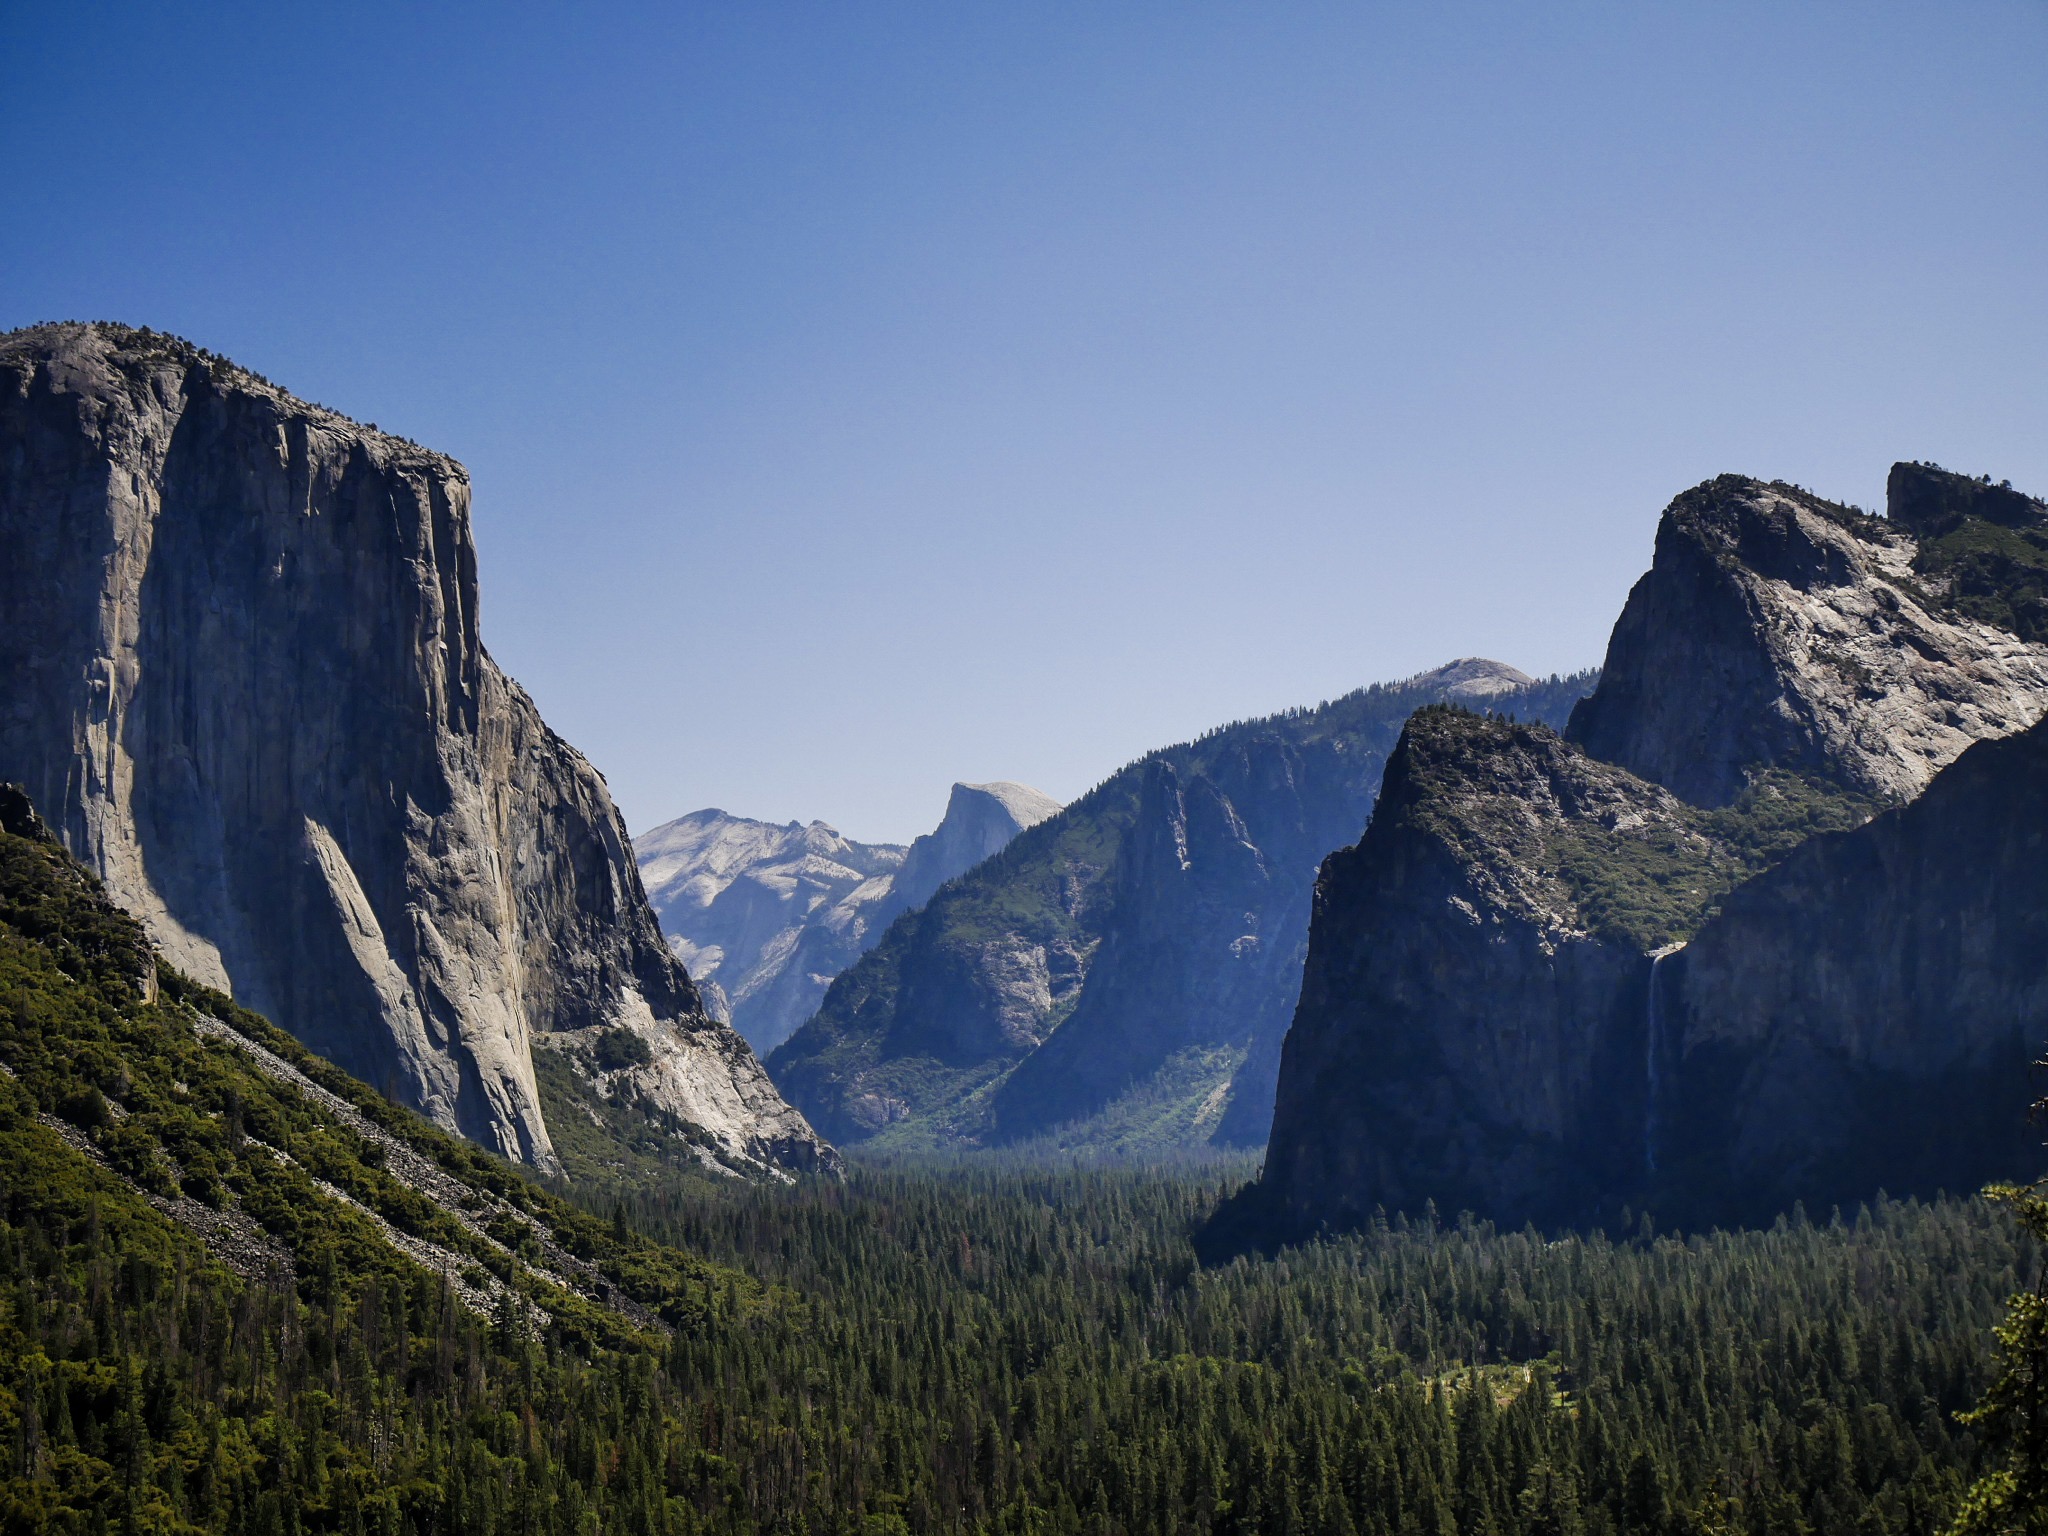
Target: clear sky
point(865, 396)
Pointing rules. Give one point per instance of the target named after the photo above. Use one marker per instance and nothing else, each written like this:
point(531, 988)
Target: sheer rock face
point(241, 673)
point(1496, 1011)
point(1466, 1032)
point(1775, 629)
point(1864, 1015)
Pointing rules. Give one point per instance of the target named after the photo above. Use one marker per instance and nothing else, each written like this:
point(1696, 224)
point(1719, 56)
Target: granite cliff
point(1864, 1016)
point(242, 676)
point(1119, 977)
point(1781, 630)
point(1486, 1016)
point(765, 915)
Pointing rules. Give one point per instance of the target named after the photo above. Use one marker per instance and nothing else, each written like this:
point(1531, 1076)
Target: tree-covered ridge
point(226, 1123)
point(926, 1041)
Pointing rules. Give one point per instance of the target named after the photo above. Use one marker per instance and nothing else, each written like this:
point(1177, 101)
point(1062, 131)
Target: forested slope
point(1120, 977)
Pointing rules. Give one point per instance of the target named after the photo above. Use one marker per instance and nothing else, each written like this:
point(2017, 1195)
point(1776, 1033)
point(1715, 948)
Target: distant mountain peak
point(1473, 677)
point(765, 914)
point(1119, 978)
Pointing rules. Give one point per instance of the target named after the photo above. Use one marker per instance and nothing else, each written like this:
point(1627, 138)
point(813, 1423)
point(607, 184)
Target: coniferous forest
point(1015, 1351)
point(972, 1347)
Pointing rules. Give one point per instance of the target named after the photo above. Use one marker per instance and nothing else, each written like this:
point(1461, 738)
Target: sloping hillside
point(122, 1076)
point(1119, 977)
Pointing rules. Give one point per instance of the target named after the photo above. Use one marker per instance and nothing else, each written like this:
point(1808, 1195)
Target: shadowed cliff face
point(1864, 1015)
point(1497, 1012)
point(1121, 975)
point(1467, 1032)
point(242, 673)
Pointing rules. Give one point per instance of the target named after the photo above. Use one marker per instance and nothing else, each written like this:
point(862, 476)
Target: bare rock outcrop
point(1670, 957)
point(241, 673)
point(1777, 629)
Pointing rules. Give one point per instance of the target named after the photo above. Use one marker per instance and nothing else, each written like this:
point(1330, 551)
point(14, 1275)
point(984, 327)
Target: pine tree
point(2012, 1500)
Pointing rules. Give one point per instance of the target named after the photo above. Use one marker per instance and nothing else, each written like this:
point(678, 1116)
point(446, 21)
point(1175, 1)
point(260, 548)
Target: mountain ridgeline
point(1764, 923)
point(1119, 977)
point(765, 915)
point(241, 674)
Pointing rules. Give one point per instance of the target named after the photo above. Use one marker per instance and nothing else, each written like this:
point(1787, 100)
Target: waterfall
point(1653, 1054)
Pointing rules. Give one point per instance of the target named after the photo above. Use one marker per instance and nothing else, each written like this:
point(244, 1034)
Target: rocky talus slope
point(124, 1080)
point(1500, 1008)
point(765, 916)
point(1120, 976)
point(241, 673)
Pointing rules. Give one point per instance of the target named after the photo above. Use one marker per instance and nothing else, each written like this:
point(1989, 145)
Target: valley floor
point(1014, 1350)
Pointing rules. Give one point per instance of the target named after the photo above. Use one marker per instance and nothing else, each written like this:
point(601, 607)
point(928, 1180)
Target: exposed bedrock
point(240, 671)
point(1670, 959)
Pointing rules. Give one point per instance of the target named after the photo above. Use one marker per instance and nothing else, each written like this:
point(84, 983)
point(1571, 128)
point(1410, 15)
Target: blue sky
point(861, 397)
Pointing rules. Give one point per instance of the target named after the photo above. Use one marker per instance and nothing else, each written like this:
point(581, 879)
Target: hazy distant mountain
point(1120, 976)
point(765, 915)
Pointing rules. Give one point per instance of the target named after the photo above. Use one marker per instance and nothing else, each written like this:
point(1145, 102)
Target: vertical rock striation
point(1471, 1024)
point(241, 672)
point(1864, 1016)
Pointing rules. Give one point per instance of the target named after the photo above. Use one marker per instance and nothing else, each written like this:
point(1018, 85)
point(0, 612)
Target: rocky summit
point(765, 915)
point(1668, 957)
point(1119, 977)
point(1776, 628)
point(242, 676)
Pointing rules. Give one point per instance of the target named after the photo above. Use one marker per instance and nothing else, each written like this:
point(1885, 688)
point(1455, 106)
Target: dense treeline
point(974, 1348)
point(1021, 1351)
point(1024, 1350)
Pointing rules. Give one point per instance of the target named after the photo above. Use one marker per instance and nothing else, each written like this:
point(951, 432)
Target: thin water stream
point(1653, 1055)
